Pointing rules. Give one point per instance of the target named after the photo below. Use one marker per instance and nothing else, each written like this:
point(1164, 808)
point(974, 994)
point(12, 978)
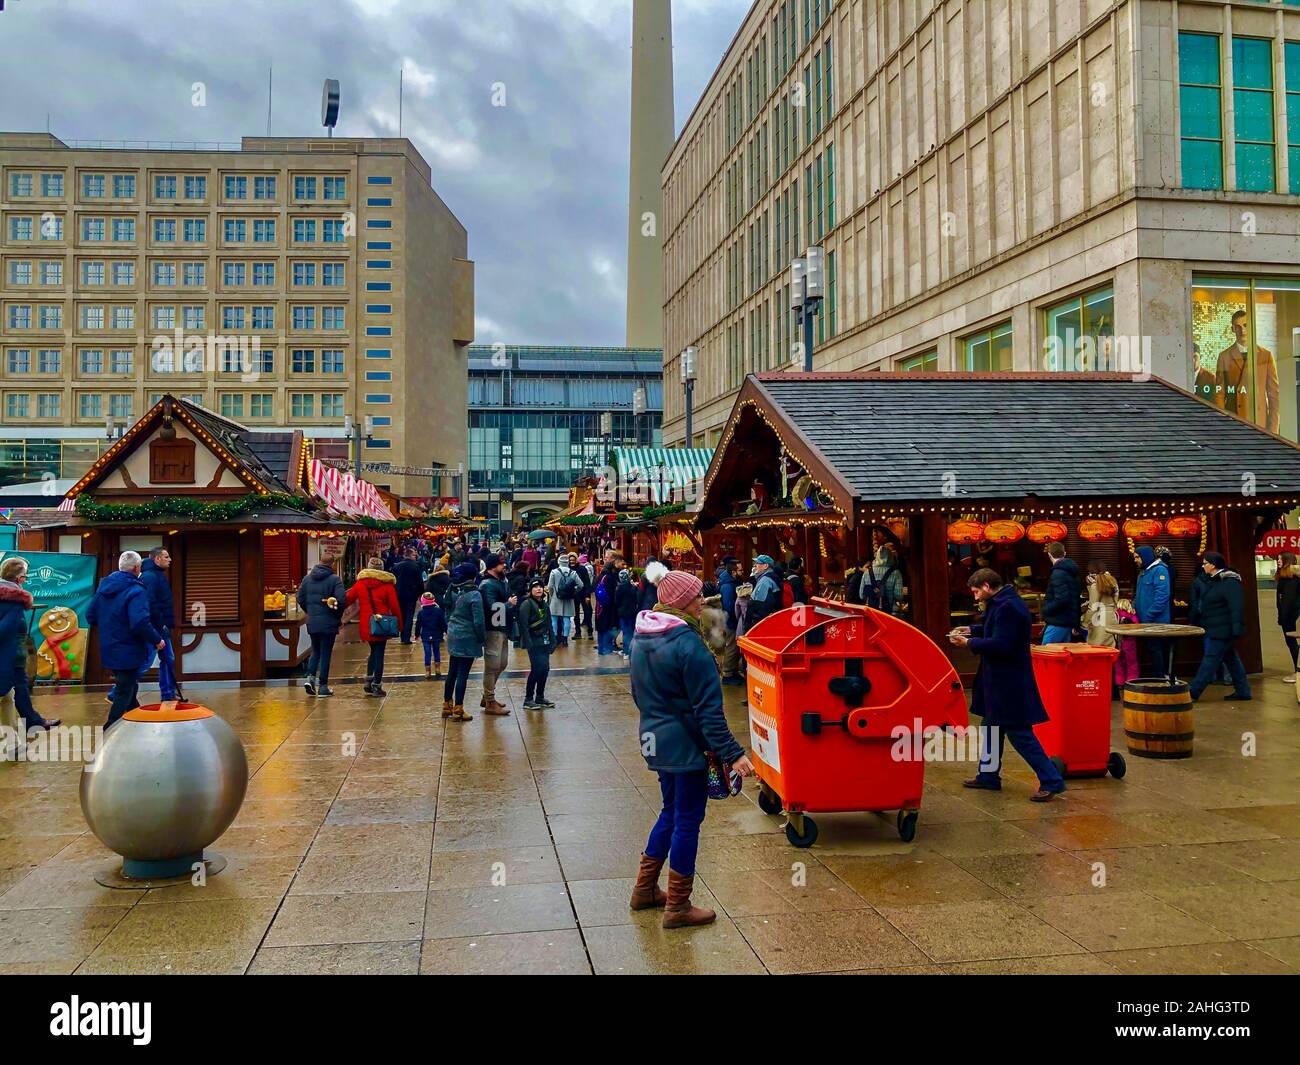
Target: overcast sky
point(540, 184)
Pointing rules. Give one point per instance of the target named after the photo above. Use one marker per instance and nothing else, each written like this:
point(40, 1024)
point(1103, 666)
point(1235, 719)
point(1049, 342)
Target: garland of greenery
point(585, 519)
point(653, 513)
point(197, 509)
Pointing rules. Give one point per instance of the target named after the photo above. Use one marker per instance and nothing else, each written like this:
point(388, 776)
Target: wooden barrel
point(1158, 720)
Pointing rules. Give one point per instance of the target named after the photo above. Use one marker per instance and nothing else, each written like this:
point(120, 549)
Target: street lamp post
point(807, 287)
point(688, 383)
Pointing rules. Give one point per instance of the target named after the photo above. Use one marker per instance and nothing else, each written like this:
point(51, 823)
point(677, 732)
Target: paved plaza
point(507, 845)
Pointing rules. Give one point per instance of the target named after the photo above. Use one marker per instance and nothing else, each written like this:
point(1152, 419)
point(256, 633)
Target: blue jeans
point(676, 835)
point(1219, 653)
point(322, 651)
point(561, 626)
point(1057, 634)
point(1222, 676)
point(432, 650)
point(604, 641)
point(629, 633)
point(165, 694)
point(1027, 746)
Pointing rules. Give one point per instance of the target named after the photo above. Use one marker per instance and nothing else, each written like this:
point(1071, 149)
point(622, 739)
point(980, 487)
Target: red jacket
point(376, 592)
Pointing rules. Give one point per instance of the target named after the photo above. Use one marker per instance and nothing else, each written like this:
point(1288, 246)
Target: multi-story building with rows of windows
point(997, 185)
point(292, 282)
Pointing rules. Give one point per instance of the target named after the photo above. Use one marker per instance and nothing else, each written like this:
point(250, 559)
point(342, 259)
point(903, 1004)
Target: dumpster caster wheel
point(907, 825)
point(769, 801)
point(806, 838)
point(1116, 764)
point(1060, 765)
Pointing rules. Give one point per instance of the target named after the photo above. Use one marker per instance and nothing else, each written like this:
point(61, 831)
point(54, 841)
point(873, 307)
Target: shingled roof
point(894, 437)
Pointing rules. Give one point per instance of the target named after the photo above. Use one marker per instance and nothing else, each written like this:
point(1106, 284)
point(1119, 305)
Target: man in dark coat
point(120, 613)
point(1219, 612)
point(499, 613)
point(322, 597)
point(1005, 694)
point(1062, 601)
point(410, 583)
point(162, 613)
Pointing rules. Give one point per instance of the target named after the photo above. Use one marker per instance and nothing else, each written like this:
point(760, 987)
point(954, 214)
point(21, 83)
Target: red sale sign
point(1279, 540)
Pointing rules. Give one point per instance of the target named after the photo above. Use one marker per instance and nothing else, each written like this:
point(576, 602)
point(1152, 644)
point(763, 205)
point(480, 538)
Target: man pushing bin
point(1005, 693)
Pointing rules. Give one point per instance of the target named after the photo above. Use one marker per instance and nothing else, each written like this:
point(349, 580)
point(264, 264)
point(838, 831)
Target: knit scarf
point(677, 612)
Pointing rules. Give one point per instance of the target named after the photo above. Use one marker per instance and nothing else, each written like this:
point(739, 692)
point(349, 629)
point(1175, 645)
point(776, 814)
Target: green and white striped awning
point(652, 475)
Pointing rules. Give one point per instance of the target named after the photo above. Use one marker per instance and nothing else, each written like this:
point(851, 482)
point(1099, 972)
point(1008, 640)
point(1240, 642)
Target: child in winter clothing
point(627, 598)
point(1126, 665)
point(430, 627)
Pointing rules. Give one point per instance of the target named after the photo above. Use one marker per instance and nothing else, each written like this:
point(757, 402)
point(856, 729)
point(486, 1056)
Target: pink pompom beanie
point(680, 589)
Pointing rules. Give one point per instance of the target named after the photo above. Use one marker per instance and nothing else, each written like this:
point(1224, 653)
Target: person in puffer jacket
point(1220, 612)
point(120, 613)
point(676, 687)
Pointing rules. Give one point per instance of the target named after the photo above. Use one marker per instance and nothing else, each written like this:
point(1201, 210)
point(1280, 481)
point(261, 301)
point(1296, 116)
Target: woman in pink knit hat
point(677, 689)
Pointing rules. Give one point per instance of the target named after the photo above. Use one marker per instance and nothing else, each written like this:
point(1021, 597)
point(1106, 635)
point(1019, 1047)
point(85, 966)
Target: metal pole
point(690, 389)
point(356, 439)
point(809, 309)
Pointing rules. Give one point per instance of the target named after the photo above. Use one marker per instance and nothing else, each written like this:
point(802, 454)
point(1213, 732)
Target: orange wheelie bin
point(832, 689)
point(1074, 680)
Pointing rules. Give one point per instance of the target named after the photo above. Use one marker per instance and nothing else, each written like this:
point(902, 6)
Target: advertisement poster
point(61, 586)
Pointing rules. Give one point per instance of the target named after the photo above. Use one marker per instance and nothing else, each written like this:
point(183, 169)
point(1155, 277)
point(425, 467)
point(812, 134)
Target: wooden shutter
point(276, 553)
point(212, 576)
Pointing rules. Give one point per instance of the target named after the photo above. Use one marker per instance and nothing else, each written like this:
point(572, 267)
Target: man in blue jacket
point(162, 614)
point(1062, 601)
point(728, 582)
point(120, 613)
point(1153, 604)
point(1005, 694)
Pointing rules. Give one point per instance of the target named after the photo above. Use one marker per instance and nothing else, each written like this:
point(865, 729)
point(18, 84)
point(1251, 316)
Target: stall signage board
point(1279, 540)
point(61, 587)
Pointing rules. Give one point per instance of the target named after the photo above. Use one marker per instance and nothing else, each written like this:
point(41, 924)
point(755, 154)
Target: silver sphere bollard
point(167, 781)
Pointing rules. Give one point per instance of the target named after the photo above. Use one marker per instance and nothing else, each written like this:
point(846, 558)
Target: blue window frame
point(379, 264)
point(379, 286)
point(382, 420)
point(379, 353)
point(379, 375)
point(378, 397)
point(378, 179)
point(379, 331)
point(379, 245)
point(379, 308)
point(379, 201)
point(378, 223)
point(375, 442)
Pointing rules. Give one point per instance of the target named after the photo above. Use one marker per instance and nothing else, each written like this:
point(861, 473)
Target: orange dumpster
point(1074, 680)
point(834, 689)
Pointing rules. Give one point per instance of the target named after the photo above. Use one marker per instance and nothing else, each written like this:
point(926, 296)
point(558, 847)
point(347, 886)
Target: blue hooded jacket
point(678, 690)
point(120, 612)
point(1154, 597)
point(161, 610)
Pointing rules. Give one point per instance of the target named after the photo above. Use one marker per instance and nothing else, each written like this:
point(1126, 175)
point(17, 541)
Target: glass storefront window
point(989, 351)
point(1091, 316)
point(1245, 336)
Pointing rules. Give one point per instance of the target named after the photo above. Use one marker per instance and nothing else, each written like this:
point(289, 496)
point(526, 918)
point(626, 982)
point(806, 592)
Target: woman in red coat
point(375, 591)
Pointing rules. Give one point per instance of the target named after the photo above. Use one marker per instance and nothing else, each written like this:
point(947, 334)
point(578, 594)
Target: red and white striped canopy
point(68, 504)
point(345, 494)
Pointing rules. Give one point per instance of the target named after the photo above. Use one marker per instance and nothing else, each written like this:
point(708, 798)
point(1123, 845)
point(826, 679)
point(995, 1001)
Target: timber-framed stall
point(959, 470)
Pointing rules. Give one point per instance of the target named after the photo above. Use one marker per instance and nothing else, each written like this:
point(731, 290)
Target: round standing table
point(1158, 717)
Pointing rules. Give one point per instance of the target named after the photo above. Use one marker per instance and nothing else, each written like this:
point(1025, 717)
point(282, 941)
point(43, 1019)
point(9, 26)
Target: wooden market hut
point(827, 465)
point(233, 507)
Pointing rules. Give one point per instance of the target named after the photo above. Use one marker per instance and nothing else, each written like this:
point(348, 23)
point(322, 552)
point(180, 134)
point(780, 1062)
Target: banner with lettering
point(61, 586)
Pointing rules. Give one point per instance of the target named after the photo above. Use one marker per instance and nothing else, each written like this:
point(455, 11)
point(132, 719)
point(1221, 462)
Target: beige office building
point(296, 282)
point(998, 185)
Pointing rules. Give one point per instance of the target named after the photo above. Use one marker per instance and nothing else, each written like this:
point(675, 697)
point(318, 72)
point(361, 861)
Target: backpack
point(787, 594)
point(570, 587)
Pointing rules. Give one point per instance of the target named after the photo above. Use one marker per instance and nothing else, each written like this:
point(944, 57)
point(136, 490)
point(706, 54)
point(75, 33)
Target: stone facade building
point(998, 185)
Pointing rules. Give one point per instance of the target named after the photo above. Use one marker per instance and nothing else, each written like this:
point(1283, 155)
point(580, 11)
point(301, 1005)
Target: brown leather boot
point(496, 709)
point(447, 708)
point(679, 913)
point(646, 895)
point(459, 713)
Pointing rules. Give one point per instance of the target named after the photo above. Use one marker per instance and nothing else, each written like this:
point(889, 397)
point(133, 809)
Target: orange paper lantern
point(1185, 525)
point(1004, 532)
point(1044, 532)
point(965, 532)
point(1143, 528)
point(1098, 529)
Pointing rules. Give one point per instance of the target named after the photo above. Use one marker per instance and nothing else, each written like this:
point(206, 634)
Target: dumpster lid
point(1072, 650)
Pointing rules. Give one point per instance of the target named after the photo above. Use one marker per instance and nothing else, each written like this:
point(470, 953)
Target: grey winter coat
point(466, 628)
